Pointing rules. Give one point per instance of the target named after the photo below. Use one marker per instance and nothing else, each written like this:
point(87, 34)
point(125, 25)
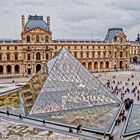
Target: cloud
point(29, 2)
point(73, 18)
point(129, 5)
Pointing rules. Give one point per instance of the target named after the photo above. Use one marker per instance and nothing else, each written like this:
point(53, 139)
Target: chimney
point(48, 21)
point(23, 22)
point(138, 37)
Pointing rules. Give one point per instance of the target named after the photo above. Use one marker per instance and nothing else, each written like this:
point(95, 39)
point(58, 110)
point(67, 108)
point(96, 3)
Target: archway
point(121, 64)
point(96, 65)
point(90, 66)
point(17, 69)
point(84, 64)
point(38, 67)
point(1, 69)
point(107, 65)
point(9, 69)
point(135, 59)
point(101, 65)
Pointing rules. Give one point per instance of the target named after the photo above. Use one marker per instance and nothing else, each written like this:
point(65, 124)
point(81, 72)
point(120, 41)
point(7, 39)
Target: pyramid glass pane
point(97, 118)
point(135, 138)
point(11, 102)
point(133, 124)
point(70, 85)
point(33, 87)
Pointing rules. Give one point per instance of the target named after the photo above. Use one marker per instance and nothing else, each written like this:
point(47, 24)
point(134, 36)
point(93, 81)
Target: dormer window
point(37, 38)
point(115, 38)
point(46, 38)
point(121, 40)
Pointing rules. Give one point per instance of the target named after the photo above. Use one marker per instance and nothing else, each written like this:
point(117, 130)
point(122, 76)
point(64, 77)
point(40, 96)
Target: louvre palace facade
point(27, 56)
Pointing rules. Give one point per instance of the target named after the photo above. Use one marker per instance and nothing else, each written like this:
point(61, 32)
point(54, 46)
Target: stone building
point(26, 56)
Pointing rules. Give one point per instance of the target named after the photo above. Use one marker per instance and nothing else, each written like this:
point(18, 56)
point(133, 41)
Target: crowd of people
point(121, 88)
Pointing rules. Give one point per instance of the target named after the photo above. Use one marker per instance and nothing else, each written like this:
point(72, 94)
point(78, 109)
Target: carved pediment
point(37, 30)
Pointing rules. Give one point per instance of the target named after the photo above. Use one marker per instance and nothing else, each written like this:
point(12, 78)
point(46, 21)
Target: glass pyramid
point(70, 85)
point(133, 124)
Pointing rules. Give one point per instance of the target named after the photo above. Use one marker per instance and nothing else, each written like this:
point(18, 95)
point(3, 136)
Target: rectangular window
point(16, 56)
point(28, 57)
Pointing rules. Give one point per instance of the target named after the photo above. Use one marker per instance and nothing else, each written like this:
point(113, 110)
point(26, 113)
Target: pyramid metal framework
point(70, 85)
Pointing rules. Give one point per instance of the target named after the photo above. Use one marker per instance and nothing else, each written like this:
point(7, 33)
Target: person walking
point(44, 122)
point(79, 130)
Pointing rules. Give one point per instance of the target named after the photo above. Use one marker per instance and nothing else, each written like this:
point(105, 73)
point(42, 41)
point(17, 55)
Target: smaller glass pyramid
point(133, 124)
point(11, 102)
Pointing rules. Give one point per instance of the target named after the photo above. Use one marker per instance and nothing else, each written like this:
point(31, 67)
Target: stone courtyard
point(123, 80)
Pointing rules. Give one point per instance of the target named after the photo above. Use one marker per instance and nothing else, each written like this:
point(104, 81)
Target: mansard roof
point(34, 22)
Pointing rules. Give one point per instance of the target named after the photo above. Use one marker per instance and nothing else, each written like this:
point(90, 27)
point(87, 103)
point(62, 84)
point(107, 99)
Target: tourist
point(111, 137)
point(44, 122)
point(79, 130)
point(8, 112)
point(70, 130)
point(121, 138)
point(20, 116)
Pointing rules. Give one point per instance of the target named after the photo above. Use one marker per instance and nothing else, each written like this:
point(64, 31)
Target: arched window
point(8, 56)
point(17, 69)
point(38, 56)
point(9, 69)
point(47, 56)
point(37, 38)
point(46, 39)
point(121, 64)
point(107, 65)
point(16, 56)
point(0, 56)
point(121, 54)
point(28, 56)
point(96, 65)
point(84, 64)
point(101, 65)
point(90, 65)
point(1, 69)
point(38, 67)
point(29, 71)
point(28, 38)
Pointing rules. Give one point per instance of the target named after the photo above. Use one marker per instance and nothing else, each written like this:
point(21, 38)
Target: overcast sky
point(73, 19)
